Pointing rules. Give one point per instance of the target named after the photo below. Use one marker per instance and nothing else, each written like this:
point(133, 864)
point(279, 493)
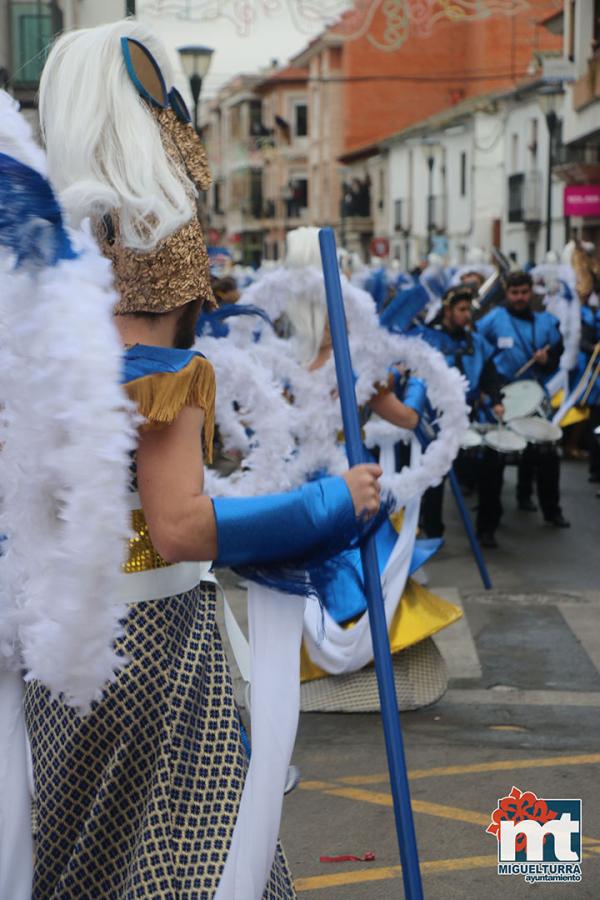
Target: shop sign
point(582, 200)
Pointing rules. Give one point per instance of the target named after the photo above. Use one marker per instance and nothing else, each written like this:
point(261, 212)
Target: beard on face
point(185, 330)
point(520, 304)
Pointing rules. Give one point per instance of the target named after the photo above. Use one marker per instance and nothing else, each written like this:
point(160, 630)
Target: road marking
point(506, 728)
point(439, 810)
point(338, 879)
point(502, 765)
point(456, 643)
point(583, 622)
point(426, 808)
point(319, 785)
point(384, 873)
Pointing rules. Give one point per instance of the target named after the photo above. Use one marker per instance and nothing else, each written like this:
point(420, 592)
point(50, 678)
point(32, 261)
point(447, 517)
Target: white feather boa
point(15, 135)
point(311, 425)
point(67, 433)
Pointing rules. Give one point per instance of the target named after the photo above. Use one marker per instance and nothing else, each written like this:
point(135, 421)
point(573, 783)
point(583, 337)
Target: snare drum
point(471, 440)
point(536, 430)
point(504, 441)
point(521, 399)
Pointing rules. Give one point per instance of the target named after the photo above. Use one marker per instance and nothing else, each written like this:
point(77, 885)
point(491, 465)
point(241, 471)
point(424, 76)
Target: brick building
point(389, 84)
point(314, 156)
point(285, 171)
point(365, 88)
point(231, 133)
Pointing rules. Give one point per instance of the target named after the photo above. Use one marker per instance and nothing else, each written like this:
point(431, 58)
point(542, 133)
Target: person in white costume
point(303, 368)
point(142, 786)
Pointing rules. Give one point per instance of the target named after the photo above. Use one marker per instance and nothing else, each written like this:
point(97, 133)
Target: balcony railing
point(525, 197)
point(277, 211)
point(356, 199)
point(252, 208)
point(587, 88)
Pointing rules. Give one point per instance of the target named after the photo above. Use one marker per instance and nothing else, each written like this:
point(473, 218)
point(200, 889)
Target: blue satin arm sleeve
point(415, 395)
point(317, 518)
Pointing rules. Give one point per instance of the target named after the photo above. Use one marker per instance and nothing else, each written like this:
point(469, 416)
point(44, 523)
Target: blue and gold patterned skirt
point(139, 799)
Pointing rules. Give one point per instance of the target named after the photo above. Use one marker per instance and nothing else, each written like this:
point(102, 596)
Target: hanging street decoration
point(387, 24)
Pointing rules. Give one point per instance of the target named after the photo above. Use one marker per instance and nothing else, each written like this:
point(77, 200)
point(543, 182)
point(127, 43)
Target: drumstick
point(529, 364)
point(591, 384)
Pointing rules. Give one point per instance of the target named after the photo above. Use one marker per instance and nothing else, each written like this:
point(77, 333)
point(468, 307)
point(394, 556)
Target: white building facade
point(533, 222)
point(476, 175)
point(445, 177)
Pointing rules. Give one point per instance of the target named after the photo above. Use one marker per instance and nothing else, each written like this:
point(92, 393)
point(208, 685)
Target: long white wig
point(306, 311)
point(103, 143)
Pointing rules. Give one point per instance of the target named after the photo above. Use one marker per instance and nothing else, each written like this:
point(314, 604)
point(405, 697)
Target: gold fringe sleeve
point(160, 397)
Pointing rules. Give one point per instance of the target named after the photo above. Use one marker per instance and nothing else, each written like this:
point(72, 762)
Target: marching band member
point(469, 352)
point(523, 338)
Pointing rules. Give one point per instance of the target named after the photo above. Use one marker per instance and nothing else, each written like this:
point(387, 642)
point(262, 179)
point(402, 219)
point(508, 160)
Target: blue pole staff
point(468, 525)
point(424, 440)
point(405, 827)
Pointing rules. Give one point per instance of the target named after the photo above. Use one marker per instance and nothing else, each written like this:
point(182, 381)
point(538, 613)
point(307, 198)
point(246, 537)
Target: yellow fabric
point(419, 615)
point(397, 518)
point(574, 415)
point(160, 397)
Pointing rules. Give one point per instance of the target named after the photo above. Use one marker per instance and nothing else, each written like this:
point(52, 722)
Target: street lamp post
point(552, 123)
point(429, 147)
point(548, 100)
point(195, 61)
point(430, 223)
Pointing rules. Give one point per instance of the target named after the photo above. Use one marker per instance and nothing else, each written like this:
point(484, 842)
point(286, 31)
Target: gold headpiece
point(177, 270)
point(587, 271)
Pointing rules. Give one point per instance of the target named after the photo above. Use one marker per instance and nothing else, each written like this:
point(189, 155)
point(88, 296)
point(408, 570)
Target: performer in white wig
point(556, 282)
point(474, 264)
point(435, 278)
point(303, 368)
point(141, 784)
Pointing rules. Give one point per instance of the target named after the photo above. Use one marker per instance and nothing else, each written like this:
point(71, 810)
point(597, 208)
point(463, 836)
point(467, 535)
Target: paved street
point(523, 709)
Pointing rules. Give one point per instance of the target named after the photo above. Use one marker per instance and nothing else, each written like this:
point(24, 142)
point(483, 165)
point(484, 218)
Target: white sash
point(16, 844)
point(275, 623)
point(154, 584)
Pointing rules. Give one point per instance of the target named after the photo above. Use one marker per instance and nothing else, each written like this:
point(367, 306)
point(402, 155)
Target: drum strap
point(528, 351)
